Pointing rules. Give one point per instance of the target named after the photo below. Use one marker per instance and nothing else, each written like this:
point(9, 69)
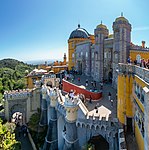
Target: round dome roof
point(101, 26)
point(121, 19)
point(79, 33)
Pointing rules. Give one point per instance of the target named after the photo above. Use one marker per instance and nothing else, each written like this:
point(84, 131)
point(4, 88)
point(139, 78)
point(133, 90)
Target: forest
point(12, 75)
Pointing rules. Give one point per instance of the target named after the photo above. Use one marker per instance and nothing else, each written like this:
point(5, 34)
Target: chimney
point(143, 44)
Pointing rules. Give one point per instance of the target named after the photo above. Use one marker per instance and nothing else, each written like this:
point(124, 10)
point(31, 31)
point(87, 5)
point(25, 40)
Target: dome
point(79, 33)
point(101, 26)
point(121, 18)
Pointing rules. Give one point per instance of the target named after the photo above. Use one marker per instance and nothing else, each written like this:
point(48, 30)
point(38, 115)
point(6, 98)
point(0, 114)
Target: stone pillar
point(146, 118)
point(51, 139)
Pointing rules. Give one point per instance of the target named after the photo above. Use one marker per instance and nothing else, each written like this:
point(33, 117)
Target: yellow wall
point(129, 103)
point(120, 101)
point(143, 54)
point(125, 105)
point(29, 80)
point(139, 137)
point(71, 49)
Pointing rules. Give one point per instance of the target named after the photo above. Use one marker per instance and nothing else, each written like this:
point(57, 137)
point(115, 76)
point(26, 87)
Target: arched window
point(138, 58)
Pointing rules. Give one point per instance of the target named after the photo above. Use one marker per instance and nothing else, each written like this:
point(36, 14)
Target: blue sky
point(39, 29)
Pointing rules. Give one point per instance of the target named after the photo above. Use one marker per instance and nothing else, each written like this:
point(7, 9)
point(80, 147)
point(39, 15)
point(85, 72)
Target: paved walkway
point(107, 87)
point(25, 143)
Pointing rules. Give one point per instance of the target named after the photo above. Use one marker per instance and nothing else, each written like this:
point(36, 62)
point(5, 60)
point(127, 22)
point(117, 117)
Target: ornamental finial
point(101, 21)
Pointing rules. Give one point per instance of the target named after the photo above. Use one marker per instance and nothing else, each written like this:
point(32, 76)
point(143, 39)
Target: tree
point(7, 137)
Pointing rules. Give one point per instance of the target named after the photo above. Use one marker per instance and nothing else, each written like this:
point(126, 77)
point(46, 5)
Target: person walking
point(111, 102)
point(109, 95)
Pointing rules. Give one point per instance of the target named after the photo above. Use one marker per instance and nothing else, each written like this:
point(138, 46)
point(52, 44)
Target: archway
point(17, 114)
point(79, 67)
point(17, 118)
point(49, 83)
point(99, 142)
point(61, 131)
point(110, 75)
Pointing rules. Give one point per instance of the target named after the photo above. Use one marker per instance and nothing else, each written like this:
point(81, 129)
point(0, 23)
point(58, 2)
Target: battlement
point(48, 76)
point(134, 70)
point(17, 94)
point(71, 102)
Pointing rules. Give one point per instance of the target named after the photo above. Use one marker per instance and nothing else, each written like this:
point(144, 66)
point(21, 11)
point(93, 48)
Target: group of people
point(143, 63)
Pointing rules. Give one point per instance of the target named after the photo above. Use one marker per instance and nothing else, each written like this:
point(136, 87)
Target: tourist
point(71, 94)
point(101, 85)
point(129, 60)
point(78, 79)
point(147, 64)
point(111, 102)
point(86, 83)
point(109, 95)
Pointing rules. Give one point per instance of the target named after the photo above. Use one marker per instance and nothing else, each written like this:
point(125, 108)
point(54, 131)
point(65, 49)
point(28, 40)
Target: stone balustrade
point(135, 70)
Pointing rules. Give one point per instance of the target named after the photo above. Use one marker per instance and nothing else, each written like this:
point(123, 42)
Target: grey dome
point(79, 33)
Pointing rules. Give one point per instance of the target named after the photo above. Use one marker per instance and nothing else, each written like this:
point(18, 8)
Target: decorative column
point(51, 141)
point(70, 135)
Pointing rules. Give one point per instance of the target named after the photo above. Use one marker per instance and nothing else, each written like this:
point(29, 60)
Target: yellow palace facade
point(133, 102)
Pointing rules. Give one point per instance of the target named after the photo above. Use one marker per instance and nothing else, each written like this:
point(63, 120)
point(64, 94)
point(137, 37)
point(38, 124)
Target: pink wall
point(67, 86)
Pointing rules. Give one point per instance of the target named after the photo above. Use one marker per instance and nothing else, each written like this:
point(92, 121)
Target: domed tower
point(71, 138)
point(101, 32)
point(51, 141)
point(76, 36)
point(121, 43)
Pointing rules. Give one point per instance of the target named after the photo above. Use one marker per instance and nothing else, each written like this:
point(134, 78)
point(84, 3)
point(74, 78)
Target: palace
point(98, 55)
point(72, 122)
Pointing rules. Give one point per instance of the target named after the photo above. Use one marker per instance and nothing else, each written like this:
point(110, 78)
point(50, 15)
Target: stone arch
point(78, 124)
point(18, 108)
point(88, 126)
point(97, 127)
point(99, 142)
point(102, 128)
point(92, 127)
point(49, 83)
point(83, 125)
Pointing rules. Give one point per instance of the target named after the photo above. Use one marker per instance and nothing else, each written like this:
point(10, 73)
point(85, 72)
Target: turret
point(121, 44)
point(51, 141)
point(70, 136)
point(65, 58)
point(43, 118)
point(101, 32)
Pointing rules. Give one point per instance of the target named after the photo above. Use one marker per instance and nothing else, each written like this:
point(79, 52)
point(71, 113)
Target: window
point(86, 54)
point(92, 54)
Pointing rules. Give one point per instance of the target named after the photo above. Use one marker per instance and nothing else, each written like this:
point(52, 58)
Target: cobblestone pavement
point(25, 143)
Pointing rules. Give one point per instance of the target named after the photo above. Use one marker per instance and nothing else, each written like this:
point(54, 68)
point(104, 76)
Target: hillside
point(12, 75)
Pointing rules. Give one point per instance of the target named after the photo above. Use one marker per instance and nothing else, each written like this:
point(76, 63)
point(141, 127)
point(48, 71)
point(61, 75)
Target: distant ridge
point(38, 62)
point(10, 63)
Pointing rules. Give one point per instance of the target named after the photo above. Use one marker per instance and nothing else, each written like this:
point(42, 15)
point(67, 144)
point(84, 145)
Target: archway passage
point(17, 118)
point(99, 142)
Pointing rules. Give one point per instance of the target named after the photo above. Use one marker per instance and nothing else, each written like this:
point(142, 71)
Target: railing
point(134, 69)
